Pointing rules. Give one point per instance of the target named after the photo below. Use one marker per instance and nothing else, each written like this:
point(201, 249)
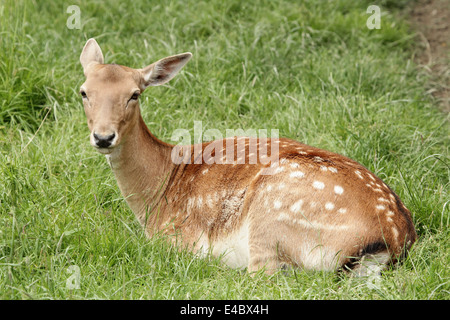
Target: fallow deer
point(311, 208)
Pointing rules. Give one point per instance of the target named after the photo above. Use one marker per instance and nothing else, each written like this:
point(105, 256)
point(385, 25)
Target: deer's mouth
point(108, 150)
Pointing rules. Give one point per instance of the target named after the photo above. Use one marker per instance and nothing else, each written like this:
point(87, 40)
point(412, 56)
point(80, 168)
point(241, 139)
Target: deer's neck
point(142, 166)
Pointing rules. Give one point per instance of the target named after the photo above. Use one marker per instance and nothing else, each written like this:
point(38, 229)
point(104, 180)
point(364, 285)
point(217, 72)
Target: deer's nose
point(103, 141)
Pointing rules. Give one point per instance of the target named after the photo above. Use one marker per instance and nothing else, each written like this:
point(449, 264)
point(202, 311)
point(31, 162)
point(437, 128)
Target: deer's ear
point(163, 70)
point(91, 53)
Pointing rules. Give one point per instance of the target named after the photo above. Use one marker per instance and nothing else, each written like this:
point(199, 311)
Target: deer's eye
point(83, 94)
point(135, 96)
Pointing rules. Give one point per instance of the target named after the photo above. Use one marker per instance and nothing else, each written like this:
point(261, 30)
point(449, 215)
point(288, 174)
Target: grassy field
point(311, 69)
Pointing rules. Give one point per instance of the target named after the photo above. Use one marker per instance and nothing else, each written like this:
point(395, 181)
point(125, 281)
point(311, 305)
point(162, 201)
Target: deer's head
point(111, 93)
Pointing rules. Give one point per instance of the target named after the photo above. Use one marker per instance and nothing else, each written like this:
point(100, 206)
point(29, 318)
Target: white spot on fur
point(332, 169)
point(329, 206)
point(297, 206)
point(342, 210)
point(277, 204)
point(199, 202)
point(190, 203)
point(279, 169)
point(318, 185)
point(294, 165)
point(297, 174)
point(338, 190)
point(395, 232)
point(317, 159)
point(283, 217)
point(380, 207)
point(209, 201)
point(358, 173)
point(323, 168)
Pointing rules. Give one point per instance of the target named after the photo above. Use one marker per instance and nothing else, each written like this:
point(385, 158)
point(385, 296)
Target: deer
point(310, 208)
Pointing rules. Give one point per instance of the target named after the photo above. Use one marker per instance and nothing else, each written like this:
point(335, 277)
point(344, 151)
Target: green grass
point(310, 69)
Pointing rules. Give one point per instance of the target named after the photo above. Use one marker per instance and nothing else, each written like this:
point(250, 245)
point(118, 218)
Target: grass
point(310, 69)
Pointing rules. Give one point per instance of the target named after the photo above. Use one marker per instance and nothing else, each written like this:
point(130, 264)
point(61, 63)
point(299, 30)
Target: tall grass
point(310, 69)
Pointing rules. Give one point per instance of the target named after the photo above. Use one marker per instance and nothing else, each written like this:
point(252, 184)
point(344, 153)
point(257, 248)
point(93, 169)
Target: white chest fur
point(233, 249)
